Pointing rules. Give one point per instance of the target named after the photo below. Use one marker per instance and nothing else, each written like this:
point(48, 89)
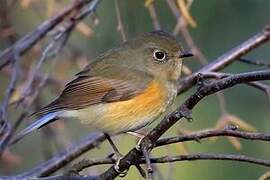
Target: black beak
point(185, 55)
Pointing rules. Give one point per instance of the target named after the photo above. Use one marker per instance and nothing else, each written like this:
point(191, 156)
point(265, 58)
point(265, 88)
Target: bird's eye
point(159, 55)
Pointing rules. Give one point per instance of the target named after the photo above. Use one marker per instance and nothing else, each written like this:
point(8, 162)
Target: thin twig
point(51, 50)
point(23, 74)
point(213, 133)
point(258, 85)
point(28, 41)
point(192, 45)
point(64, 157)
point(182, 26)
point(6, 127)
point(227, 58)
point(148, 163)
point(232, 157)
point(86, 163)
point(164, 159)
point(153, 15)
point(264, 87)
point(120, 26)
point(255, 62)
point(173, 7)
point(222, 102)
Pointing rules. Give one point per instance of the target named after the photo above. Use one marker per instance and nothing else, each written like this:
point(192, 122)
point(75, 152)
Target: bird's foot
point(116, 166)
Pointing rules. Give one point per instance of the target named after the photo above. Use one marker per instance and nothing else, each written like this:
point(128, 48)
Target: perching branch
point(133, 156)
point(165, 159)
point(189, 157)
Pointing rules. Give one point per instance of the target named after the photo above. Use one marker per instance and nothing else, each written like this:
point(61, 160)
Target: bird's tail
point(43, 120)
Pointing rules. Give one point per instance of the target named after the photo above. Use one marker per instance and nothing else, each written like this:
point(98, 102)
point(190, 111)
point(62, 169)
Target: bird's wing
point(101, 87)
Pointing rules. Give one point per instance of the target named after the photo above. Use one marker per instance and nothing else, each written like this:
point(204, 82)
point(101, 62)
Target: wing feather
point(87, 90)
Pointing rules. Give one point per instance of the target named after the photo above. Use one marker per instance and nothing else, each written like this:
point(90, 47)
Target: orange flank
point(131, 114)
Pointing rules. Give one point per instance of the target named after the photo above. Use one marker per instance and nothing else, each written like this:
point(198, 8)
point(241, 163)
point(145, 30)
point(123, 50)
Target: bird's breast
point(132, 114)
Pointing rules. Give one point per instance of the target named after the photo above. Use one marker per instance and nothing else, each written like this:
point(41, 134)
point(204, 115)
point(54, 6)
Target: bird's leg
point(115, 149)
point(145, 151)
point(119, 156)
point(138, 135)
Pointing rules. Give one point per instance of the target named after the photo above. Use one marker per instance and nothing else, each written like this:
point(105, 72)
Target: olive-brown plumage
point(123, 89)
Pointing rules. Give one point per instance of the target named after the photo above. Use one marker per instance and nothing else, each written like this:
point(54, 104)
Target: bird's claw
point(117, 169)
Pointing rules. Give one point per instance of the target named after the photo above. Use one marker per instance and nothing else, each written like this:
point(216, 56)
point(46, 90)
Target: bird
point(122, 90)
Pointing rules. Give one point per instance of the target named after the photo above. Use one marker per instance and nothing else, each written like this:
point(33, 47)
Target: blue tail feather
point(35, 125)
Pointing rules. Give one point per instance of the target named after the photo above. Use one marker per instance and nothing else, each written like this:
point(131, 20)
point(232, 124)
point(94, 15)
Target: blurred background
point(215, 27)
